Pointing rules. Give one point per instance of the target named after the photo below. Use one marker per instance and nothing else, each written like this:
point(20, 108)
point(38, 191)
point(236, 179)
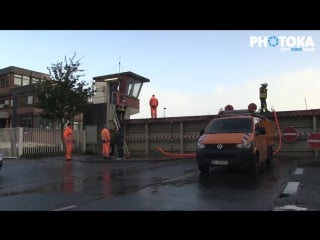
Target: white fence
point(17, 142)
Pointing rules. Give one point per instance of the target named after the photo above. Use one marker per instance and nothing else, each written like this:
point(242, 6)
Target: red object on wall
point(289, 134)
point(314, 141)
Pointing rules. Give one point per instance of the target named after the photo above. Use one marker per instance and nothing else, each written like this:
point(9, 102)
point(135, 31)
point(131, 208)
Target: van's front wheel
point(203, 164)
point(203, 168)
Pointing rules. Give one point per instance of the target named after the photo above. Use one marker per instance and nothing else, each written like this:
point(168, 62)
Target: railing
point(17, 142)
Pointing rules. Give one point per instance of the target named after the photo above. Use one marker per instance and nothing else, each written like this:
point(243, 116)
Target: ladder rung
point(117, 123)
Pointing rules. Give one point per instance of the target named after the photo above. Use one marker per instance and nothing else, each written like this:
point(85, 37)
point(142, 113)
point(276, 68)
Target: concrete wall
point(173, 135)
point(179, 134)
point(305, 126)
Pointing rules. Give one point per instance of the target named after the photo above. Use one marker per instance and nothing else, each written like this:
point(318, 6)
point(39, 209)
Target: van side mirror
point(201, 132)
point(260, 131)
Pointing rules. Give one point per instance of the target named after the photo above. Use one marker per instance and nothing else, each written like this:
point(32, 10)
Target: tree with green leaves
point(64, 95)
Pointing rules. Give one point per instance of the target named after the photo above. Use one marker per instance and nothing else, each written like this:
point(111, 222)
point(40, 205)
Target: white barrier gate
point(15, 142)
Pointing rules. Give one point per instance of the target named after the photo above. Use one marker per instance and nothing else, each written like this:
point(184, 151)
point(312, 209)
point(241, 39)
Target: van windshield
point(230, 125)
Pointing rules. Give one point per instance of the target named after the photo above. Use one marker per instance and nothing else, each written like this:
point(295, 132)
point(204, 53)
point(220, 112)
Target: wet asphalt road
point(175, 185)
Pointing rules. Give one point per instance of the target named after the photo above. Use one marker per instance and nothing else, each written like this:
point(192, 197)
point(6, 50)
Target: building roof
point(117, 75)
point(22, 71)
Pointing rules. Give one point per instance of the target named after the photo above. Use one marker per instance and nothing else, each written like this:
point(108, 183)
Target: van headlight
point(200, 145)
point(244, 145)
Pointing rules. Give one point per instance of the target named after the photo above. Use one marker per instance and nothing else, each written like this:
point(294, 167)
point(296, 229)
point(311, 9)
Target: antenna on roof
point(305, 102)
point(119, 63)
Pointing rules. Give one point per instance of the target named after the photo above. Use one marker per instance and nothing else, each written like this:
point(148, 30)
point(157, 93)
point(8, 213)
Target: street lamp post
point(164, 112)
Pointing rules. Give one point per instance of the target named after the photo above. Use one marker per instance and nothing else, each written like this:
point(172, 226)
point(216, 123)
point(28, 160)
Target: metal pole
point(314, 123)
point(14, 111)
point(147, 150)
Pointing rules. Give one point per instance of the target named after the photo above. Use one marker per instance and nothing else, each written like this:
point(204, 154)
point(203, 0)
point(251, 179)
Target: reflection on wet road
point(168, 185)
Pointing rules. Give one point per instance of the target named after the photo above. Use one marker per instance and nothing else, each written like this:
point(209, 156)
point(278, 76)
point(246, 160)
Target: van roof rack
point(239, 112)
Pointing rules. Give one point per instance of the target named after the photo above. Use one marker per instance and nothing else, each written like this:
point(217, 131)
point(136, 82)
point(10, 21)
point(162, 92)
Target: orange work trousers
point(153, 112)
point(106, 149)
point(69, 147)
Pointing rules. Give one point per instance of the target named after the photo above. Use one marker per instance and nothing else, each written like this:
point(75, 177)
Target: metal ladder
point(118, 125)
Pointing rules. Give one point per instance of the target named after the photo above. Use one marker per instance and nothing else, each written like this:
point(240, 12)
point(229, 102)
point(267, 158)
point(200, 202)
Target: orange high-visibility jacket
point(105, 135)
point(68, 134)
point(153, 102)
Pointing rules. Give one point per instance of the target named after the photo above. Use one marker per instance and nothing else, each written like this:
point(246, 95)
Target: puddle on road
point(102, 184)
point(69, 184)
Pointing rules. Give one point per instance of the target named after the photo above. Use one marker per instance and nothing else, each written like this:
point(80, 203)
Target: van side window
point(230, 125)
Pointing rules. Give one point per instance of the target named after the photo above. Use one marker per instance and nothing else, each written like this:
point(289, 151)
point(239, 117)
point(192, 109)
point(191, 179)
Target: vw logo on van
point(219, 146)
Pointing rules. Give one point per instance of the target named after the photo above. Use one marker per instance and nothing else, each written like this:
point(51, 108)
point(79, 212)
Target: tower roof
point(115, 76)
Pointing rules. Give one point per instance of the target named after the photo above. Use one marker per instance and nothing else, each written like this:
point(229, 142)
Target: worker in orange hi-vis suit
point(106, 139)
point(68, 139)
point(153, 102)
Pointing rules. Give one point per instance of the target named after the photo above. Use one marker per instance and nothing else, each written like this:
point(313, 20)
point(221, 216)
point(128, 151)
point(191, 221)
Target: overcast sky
point(191, 72)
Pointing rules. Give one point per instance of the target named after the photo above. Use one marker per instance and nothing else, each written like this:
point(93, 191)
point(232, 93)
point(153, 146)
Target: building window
point(30, 100)
point(5, 81)
point(25, 80)
point(22, 100)
point(134, 88)
point(2, 102)
point(2, 81)
point(35, 80)
point(17, 80)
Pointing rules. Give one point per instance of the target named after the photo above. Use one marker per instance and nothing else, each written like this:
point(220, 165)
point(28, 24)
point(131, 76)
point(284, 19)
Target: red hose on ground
point(279, 133)
point(176, 155)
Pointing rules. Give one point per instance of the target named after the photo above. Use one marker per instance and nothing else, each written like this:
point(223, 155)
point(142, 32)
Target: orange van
point(236, 139)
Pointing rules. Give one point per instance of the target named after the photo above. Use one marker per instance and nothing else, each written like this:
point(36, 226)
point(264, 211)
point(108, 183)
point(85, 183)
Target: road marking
point(168, 180)
point(178, 177)
point(291, 188)
point(290, 207)
point(298, 171)
point(65, 208)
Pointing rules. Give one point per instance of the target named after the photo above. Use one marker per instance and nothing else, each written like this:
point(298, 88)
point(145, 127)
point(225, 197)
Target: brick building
point(17, 99)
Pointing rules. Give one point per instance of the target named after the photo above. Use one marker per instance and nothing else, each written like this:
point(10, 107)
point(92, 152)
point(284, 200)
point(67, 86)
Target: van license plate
point(219, 162)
